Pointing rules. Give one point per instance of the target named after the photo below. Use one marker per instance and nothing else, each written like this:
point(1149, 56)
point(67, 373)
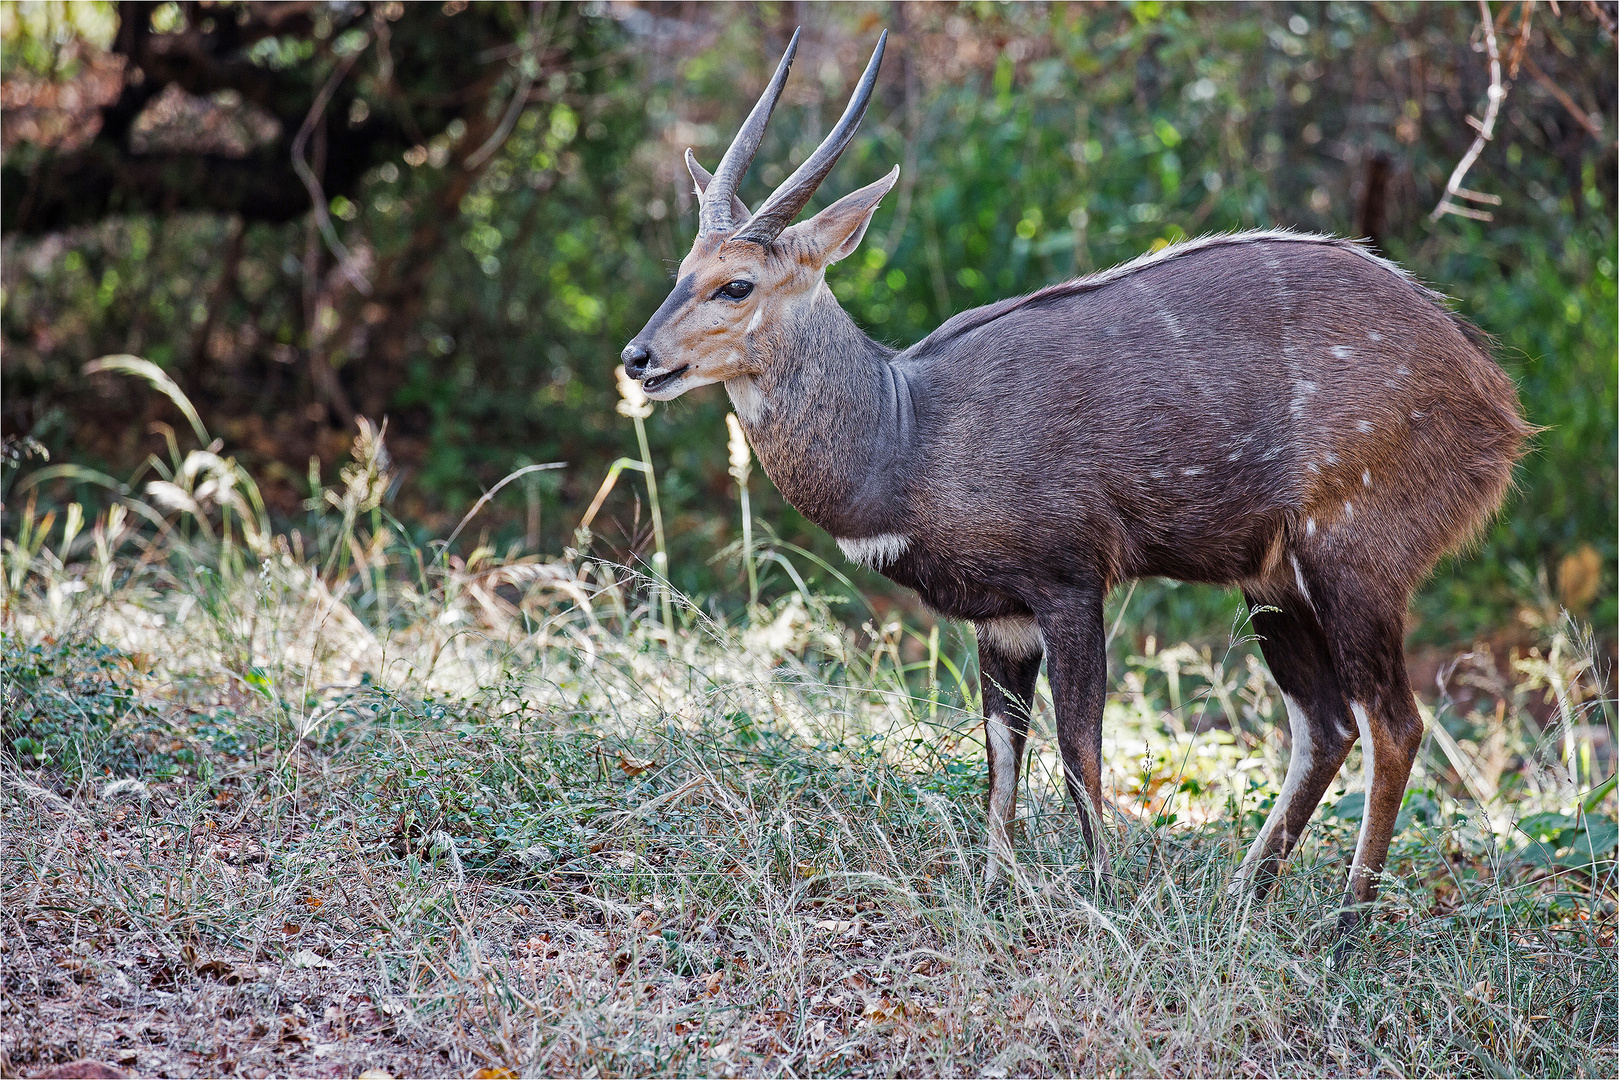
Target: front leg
point(1008, 664)
point(1076, 664)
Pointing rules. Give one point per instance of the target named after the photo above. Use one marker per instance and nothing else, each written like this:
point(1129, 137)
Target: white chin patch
point(669, 392)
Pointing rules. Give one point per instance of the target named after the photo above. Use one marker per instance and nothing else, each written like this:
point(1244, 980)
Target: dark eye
point(736, 290)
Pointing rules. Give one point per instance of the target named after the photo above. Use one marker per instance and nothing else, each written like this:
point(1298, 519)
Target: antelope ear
point(701, 177)
point(835, 232)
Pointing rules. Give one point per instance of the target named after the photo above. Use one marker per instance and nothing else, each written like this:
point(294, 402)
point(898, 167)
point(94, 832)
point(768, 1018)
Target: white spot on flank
point(1349, 510)
point(1302, 388)
point(1368, 756)
point(875, 552)
point(1342, 352)
point(1192, 470)
point(1234, 455)
point(1016, 637)
point(1402, 370)
point(1157, 474)
point(1298, 769)
point(758, 317)
point(1298, 576)
point(1366, 477)
point(1363, 425)
point(1312, 466)
point(1332, 459)
point(1373, 335)
point(1309, 529)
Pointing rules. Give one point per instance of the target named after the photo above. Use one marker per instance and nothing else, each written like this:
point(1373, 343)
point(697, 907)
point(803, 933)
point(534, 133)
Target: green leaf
point(1351, 807)
point(1599, 793)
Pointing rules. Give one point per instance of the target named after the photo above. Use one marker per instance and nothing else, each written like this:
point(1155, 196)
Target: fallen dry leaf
point(633, 766)
point(83, 1069)
point(304, 958)
point(218, 969)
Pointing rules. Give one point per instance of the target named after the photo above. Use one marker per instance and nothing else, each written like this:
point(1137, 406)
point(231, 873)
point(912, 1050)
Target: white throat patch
point(747, 399)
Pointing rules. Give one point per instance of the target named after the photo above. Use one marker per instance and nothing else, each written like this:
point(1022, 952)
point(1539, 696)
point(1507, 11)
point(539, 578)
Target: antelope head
point(749, 272)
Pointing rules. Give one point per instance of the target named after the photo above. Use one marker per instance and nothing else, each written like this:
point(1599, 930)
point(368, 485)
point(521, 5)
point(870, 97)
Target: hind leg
point(1008, 664)
point(1364, 623)
point(1322, 732)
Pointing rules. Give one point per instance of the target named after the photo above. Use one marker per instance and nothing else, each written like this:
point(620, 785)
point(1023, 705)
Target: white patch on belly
point(875, 552)
point(1015, 636)
point(747, 399)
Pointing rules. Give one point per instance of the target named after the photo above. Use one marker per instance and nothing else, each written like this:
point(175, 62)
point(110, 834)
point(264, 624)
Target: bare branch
point(529, 66)
point(1581, 117)
point(312, 182)
point(1486, 131)
point(1602, 17)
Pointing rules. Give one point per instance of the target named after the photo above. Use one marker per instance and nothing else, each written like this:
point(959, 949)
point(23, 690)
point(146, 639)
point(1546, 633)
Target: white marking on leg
point(1298, 767)
point(1368, 756)
point(1016, 636)
point(1003, 770)
point(875, 552)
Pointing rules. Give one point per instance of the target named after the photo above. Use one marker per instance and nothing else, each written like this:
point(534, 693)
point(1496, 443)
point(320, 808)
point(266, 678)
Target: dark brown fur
point(1283, 413)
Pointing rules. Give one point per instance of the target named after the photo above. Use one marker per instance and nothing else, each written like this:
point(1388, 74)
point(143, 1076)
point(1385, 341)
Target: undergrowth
point(320, 801)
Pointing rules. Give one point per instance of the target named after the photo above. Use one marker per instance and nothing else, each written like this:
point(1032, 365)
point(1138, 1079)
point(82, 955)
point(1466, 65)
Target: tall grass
point(323, 800)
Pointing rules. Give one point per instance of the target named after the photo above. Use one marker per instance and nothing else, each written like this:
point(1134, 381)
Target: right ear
point(701, 177)
point(835, 232)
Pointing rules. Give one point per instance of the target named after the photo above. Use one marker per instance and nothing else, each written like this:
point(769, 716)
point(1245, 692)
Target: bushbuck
point(1286, 413)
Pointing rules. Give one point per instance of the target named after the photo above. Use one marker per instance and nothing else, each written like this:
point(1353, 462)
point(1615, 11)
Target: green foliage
point(1036, 143)
point(70, 709)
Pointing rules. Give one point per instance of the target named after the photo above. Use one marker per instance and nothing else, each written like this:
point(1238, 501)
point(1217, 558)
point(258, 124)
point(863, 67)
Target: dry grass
point(324, 804)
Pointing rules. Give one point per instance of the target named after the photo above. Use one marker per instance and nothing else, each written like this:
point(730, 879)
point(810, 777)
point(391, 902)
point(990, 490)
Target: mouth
point(658, 382)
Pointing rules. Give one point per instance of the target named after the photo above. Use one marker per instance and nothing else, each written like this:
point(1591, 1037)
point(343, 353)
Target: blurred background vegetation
point(498, 203)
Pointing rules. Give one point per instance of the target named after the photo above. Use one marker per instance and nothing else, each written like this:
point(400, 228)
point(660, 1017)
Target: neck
point(827, 415)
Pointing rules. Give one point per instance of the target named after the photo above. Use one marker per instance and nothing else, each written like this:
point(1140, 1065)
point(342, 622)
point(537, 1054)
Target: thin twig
point(1603, 18)
point(529, 66)
point(492, 492)
point(1486, 132)
point(1525, 25)
point(1581, 117)
point(317, 195)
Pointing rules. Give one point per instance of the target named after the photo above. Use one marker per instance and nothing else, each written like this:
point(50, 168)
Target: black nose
point(637, 358)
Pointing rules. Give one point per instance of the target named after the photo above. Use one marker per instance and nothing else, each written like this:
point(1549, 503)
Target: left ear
point(835, 232)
